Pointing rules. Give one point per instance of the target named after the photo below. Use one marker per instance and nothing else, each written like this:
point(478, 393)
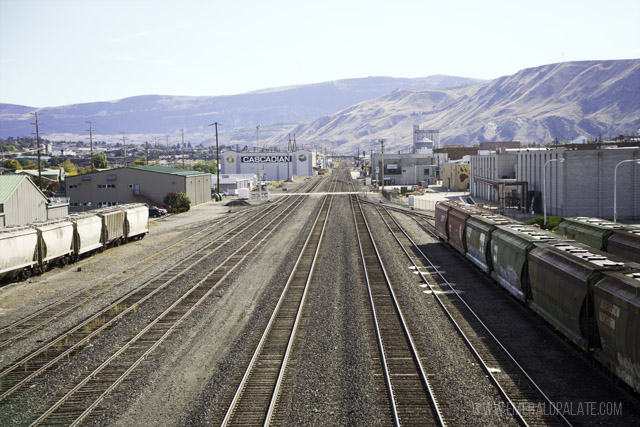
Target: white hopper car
point(32, 249)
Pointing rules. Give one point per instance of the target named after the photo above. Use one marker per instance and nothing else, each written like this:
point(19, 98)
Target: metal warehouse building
point(579, 182)
point(276, 166)
point(406, 168)
point(143, 184)
point(22, 202)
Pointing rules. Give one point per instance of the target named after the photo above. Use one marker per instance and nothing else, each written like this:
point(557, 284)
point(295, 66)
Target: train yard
point(328, 309)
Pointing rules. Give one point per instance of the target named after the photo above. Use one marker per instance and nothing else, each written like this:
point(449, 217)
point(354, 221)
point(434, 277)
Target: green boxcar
point(478, 234)
point(593, 232)
point(510, 245)
point(617, 306)
point(562, 278)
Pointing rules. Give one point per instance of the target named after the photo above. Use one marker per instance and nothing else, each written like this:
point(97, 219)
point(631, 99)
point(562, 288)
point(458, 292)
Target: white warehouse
point(276, 165)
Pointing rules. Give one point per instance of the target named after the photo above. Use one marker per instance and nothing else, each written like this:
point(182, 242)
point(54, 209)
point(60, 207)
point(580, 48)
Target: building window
point(106, 186)
point(72, 186)
point(112, 177)
point(86, 178)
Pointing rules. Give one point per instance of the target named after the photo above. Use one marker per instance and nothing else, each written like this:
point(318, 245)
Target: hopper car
point(618, 239)
point(592, 297)
point(33, 248)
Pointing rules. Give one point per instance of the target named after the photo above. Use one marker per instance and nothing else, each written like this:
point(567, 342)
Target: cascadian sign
point(265, 159)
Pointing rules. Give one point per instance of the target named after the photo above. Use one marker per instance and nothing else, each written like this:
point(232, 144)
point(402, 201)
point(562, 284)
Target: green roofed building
point(135, 184)
point(22, 202)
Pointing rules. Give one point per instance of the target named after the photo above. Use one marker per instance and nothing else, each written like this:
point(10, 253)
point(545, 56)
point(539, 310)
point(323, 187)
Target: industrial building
point(455, 176)
point(406, 168)
point(578, 182)
point(143, 184)
point(276, 165)
point(425, 140)
point(22, 202)
point(231, 183)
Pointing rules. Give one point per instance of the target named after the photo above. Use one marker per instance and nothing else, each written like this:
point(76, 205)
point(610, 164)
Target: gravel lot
point(335, 371)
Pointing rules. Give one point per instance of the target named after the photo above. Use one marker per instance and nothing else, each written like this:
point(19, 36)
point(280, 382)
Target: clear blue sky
point(58, 52)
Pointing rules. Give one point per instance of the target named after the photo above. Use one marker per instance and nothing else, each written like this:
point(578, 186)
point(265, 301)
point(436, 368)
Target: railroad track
point(522, 396)
point(413, 396)
point(49, 314)
point(20, 373)
point(258, 394)
point(45, 316)
point(81, 399)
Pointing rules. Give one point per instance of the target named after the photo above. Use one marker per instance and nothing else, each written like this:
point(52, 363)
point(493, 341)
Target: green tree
point(179, 202)
point(69, 167)
point(210, 167)
point(99, 161)
point(140, 161)
point(12, 164)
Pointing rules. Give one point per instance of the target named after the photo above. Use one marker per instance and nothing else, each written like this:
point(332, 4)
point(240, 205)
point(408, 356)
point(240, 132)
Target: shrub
point(178, 202)
point(553, 222)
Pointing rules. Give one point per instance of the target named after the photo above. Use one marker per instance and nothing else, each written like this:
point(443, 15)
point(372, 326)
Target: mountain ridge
point(165, 114)
point(538, 104)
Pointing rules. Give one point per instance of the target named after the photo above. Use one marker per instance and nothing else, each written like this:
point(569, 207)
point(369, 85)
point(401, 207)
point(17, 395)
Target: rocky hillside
point(539, 104)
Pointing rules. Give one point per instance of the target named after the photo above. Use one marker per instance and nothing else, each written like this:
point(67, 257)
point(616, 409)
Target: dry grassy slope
point(534, 105)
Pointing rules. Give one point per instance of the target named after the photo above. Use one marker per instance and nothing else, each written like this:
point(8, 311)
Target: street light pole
point(544, 187)
point(615, 187)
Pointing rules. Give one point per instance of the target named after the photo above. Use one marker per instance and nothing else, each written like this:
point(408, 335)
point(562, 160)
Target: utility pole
point(288, 162)
point(38, 147)
point(217, 158)
point(167, 136)
point(183, 148)
point(91, 142)
point(146, 147)
point(381, 141)
point(157, 154)
point(124, 142)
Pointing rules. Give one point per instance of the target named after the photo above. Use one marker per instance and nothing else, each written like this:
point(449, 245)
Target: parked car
point(155, 211)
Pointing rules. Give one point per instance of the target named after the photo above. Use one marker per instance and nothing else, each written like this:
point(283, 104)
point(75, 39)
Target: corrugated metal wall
point(25, 205)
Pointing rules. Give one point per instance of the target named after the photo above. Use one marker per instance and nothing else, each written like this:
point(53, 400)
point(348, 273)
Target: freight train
point(592, 297)
point(33, 248)
point(618, 239)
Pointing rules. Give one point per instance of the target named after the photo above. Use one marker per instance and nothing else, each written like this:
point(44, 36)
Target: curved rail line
point(411, 392)
point(43, 358)
point(80, 401)
point(511, 380)
point(45, 316)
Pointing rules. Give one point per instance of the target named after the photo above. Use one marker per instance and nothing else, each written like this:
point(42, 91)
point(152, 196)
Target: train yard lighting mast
point(544, 187)
point(615, 187)
point(217, 158)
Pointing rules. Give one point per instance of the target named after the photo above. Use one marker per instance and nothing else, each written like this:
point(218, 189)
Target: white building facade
point(275, 166)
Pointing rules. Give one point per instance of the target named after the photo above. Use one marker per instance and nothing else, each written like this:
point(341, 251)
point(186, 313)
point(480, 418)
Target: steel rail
point(252, 371)
point(234, 262)
point(490, 373)
point(43, 317)
point(97, 323)
point(434, 406)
